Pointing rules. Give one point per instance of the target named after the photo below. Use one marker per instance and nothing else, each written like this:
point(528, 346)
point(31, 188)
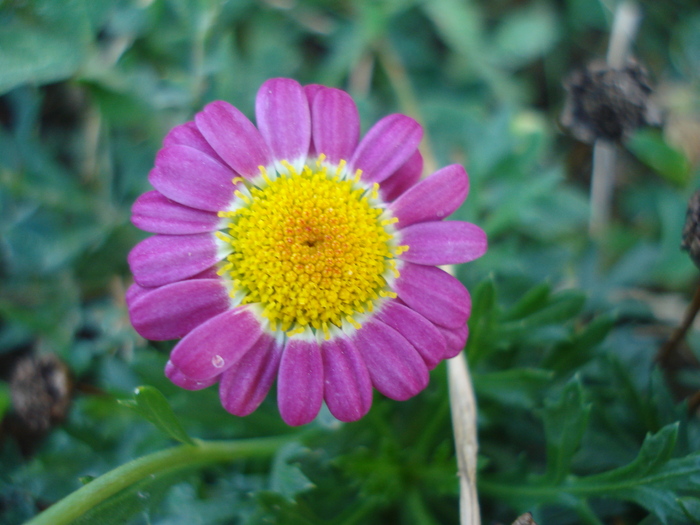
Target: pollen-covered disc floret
point(312, 248)
point(293, 252)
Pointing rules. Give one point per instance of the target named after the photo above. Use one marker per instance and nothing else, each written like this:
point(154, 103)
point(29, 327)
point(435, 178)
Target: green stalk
point(98, 490)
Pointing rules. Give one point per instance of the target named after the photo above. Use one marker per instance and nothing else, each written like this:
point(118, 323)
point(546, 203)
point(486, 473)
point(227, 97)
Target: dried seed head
point(606, 103)
point(691, 230)
point(525, 519)
point(41, 390)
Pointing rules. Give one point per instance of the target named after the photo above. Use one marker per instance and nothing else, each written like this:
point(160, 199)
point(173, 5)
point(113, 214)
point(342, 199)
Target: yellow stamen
point(310, 248)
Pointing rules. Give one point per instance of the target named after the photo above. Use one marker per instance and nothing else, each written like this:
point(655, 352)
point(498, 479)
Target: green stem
point(98, 490)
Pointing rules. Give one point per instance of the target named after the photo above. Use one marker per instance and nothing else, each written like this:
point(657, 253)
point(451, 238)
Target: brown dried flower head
point(691, 230)
point(606, 103)
point(41, 388)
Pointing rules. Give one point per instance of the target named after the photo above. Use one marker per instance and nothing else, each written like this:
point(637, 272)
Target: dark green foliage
point(577, 421)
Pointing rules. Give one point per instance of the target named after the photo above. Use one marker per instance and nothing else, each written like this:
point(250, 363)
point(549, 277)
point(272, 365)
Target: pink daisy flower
point(295, 251)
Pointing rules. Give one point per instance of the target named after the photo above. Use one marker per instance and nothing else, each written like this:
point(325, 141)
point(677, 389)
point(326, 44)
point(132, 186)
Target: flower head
point(295, 251)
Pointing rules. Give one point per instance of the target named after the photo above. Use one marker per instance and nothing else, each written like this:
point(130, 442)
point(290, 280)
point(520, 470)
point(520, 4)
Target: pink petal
point(234, 138)
point(190, 177)
point(348, 389)
point(403, 178)
point(434, 198)
point(187, 134)
point(336, 124)
point(456, 339)
point(436, 243)
point(434, 294)
point(283, 116)
point(417, 330)
point(209, 273)
point(135, 292)
point(300, 382)
point(163, 259)
point(397, 370)
point(176, 376)
point(311, 90)
point(155, 213)
point(218, 344)
point(244, 386)
point(173, 310)
point(386, 147)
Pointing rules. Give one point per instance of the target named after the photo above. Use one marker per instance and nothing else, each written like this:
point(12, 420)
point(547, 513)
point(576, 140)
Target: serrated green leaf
point(565, 421)
point(152, 405)
point(691, 508)
point(656, 450)
point(653, 480)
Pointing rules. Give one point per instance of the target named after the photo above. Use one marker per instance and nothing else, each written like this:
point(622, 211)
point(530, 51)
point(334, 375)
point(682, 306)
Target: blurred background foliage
point(579, 419)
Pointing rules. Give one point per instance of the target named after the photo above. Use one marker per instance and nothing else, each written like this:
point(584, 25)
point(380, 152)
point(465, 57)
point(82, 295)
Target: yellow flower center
point(312, 248)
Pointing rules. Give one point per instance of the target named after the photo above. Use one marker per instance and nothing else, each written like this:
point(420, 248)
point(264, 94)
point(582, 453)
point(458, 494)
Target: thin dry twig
point(463, 407)
point(669, 348)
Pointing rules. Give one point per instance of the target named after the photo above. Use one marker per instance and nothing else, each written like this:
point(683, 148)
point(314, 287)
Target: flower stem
point(98, 490)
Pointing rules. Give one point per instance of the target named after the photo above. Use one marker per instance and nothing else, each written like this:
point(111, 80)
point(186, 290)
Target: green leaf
point(152, 405)
point(286, 478)
point(4, 399)
point(482, 320)
point(526, 35)
point(649, 146)
point(565, 421)
point(560, 308)
point(518, 387)
point(568, 355)
point(533, 300)
point(459, 23)
point(691, 508)
point(43, 42)
point(653, 480)
point(656, 450)
point(49, 307)
point(518, 200)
